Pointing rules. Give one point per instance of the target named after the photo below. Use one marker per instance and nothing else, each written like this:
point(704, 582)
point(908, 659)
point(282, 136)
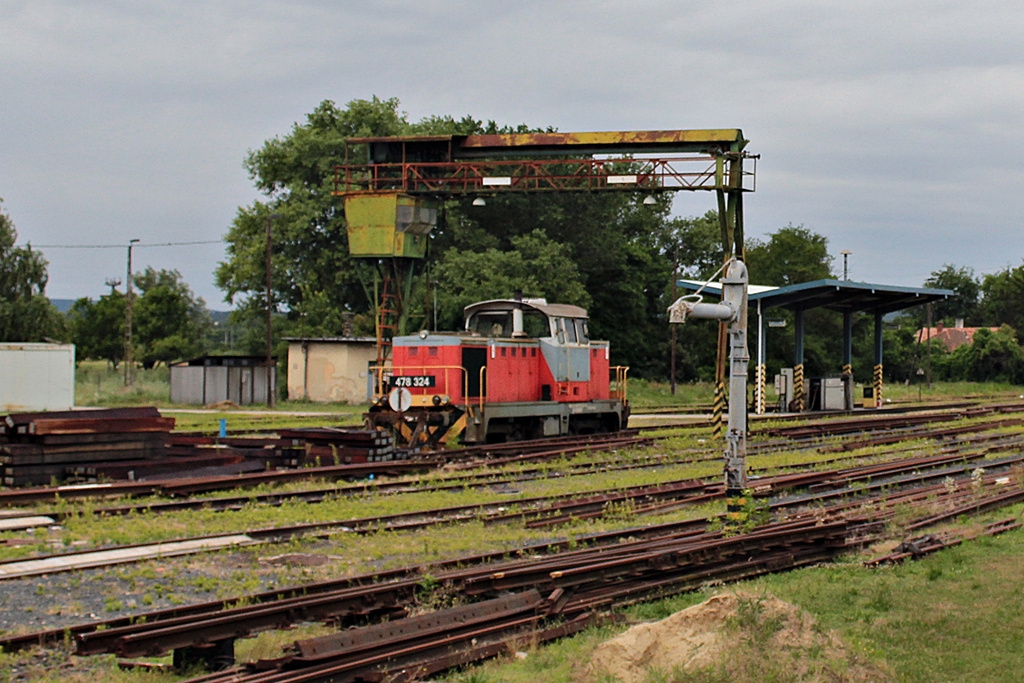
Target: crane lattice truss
point(475, 164)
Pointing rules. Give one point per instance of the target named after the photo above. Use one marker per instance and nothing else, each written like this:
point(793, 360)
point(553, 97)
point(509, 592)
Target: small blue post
point(223, 427)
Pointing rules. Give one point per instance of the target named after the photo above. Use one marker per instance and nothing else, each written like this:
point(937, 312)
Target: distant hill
point(64, 305)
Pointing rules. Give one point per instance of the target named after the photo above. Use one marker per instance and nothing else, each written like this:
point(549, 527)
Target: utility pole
point(129, 371)
point(269, 362)
point(672, 348)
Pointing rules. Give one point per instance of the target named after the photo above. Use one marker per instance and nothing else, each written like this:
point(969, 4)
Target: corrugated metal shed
point(36, 376)
point(213, 379)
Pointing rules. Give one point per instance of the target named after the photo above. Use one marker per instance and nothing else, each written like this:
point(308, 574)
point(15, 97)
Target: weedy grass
point(955, 615)
point(649, 394)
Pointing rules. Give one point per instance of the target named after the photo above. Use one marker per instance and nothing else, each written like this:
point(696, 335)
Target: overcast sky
point(894, 129)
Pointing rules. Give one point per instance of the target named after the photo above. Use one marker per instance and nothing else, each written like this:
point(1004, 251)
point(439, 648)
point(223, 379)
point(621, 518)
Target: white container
point(36, 377)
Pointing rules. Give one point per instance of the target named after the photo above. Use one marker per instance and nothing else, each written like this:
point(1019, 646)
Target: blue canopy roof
point(836, 295)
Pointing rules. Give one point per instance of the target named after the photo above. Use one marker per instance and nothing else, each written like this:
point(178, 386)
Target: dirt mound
point(732, 636)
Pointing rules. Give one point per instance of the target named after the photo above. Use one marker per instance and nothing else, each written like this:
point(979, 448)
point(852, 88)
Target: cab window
point(582, 331)
point(492, 324)
point(570, 329)
point(535, 324)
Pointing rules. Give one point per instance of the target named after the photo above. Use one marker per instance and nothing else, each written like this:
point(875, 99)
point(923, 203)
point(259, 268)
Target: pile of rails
point(339, 446)
point(130, 444)
point(309, 447)
point(40, 448)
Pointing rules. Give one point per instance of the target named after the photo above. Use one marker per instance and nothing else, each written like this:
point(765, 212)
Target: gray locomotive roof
point(551, 310)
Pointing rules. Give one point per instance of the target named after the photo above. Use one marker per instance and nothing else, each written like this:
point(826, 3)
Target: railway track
point(534, 513)
point(552, 589)
point(823, 486)
point(575, 587)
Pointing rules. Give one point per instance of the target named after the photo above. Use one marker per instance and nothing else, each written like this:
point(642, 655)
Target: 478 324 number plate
point(412, 381)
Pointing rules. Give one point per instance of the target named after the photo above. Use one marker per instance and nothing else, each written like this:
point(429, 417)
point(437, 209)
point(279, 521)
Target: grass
point(955, 615)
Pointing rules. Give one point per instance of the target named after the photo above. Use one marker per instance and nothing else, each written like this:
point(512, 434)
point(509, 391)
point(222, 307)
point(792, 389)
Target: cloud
point(890, 128)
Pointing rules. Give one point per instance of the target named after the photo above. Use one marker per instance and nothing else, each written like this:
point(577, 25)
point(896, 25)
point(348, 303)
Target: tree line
point(608, 252)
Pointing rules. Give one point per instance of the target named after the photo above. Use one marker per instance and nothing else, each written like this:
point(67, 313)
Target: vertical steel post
point(848, 360)
point(269, 365)
point(798, 361)
point(672, 328)
point(732, 315)
point(762, 370)
point(734, 292)
point(129, 371)
point(878, 360)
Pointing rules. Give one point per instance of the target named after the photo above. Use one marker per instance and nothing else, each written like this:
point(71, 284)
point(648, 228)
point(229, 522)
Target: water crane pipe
point(732, 310)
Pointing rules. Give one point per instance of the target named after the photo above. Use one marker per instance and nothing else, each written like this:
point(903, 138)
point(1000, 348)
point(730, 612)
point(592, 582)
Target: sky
point(893, 129)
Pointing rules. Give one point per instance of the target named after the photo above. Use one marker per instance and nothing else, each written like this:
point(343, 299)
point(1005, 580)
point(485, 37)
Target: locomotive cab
point(521, 368)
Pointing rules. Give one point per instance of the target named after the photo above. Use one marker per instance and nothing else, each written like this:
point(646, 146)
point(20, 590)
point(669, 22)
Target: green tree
point(991, 357)
point(1002, 293)
point(535, 266)
point(26, 315)
point(97, 327)
point(792, 255)
point(964, 305)
point(695, 244)
point(618, 245)
point(169, 322)
point(311, 267)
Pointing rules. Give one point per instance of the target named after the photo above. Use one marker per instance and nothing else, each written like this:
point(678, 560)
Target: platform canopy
point(835, 295)
point(843, 296)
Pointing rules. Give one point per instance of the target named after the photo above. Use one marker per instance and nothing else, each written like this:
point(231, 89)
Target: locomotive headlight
point(423, 334)
point(436, 400)
point(441, 400)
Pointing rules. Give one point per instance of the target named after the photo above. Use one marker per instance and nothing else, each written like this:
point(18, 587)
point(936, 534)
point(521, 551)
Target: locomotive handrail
point(620, 391)
point(381, 391)
point(483, 389)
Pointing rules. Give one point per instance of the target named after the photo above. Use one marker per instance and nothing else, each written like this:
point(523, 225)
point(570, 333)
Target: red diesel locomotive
point(521, 369)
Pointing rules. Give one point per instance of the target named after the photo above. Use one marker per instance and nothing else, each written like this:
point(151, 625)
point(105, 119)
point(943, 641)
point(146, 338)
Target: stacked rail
point(39, 448)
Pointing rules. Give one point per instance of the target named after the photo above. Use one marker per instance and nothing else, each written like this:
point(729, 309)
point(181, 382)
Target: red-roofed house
point(951, 337)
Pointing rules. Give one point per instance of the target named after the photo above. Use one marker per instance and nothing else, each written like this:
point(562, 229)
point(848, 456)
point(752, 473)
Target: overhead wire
point(121, 246)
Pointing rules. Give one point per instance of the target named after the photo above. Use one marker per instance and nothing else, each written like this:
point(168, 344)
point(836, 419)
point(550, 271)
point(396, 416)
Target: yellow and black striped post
point(759, 389)
point(718, 407)
point(735, 507)
point(878, 385)
point(798, 387)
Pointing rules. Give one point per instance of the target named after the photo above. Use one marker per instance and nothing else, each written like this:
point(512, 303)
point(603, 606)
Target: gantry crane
point(392, 188)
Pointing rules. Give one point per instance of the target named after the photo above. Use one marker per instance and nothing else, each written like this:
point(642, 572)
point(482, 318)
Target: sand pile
point(730, 637)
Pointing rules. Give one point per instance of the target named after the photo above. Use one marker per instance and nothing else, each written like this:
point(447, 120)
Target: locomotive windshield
point(491, 324)
point(500, 324)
